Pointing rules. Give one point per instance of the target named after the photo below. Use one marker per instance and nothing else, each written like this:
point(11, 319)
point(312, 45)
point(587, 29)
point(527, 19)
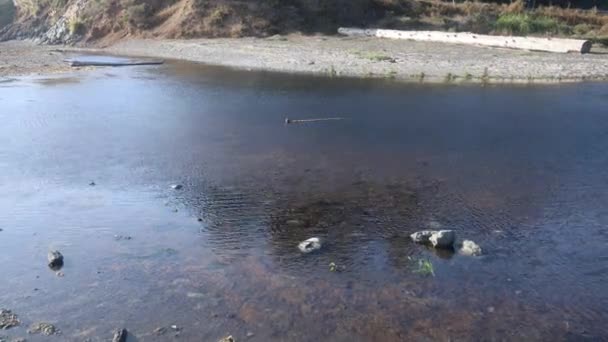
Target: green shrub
point(582, 29)
point(76, 26)
point(7, 11)
point(136, 15)
point(524, 24)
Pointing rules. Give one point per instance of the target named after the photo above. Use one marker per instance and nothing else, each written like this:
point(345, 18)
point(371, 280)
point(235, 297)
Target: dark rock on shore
point(55, 259)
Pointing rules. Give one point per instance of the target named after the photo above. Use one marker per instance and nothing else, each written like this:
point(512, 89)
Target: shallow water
point(520, 170)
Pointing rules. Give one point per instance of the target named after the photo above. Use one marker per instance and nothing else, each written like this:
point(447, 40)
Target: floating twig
point(292, 121)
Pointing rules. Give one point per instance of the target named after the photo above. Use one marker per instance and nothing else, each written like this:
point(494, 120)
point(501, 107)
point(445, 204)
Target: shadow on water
point(521, 171)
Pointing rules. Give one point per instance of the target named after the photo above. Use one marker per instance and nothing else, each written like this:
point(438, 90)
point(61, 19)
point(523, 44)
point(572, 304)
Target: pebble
point(177, 186)
point(310, 245)
point(249, 334)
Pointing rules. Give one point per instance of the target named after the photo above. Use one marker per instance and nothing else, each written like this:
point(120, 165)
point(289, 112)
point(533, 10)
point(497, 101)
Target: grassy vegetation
point(524, 24)
point(375, 56)
point(76, 26)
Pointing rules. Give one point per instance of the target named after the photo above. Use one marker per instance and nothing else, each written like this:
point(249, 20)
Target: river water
point(522, 171)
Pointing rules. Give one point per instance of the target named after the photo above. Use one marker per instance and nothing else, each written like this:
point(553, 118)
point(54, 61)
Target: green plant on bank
point(524, 24)
point(485, 77)
point(375, 56)
point(425, 268)
point(582, 29)
point(7, 11)
point(76, 26)
point(332, 71)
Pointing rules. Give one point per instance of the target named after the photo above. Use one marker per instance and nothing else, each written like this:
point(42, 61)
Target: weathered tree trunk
point(523, 43)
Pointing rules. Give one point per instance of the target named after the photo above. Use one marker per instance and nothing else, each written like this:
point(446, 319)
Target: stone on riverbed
point(227, 339)
point(55, 259)
point(120, 335)
point(437, 238)
point(176, 186)
point(8, 319)
point(470, 248)
point(43, 328)
point(310, 245)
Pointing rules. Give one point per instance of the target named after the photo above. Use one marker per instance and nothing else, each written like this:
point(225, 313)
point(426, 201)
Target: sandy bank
point(371, 57)
point(338, 56)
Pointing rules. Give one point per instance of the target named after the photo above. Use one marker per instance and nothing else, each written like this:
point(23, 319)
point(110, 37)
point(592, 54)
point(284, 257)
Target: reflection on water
point(522, 171)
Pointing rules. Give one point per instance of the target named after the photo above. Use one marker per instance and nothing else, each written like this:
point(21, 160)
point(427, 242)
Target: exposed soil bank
point(338, 56)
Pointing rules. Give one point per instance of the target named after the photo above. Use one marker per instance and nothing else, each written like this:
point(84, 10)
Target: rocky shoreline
point(334, 56)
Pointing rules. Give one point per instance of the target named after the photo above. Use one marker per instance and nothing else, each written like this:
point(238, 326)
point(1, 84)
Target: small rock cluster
point(446, 239)
point(43, 328)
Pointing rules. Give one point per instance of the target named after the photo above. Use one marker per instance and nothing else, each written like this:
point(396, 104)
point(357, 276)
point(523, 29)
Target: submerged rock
point(55, 259)
point(176, 186)
point(8, 319)
point(422, 236)
point(227, 339)
point(310, 245)
point(122, 237)
point(443, 239)
point(120, 335)
point(469, 248)
point(43, 328)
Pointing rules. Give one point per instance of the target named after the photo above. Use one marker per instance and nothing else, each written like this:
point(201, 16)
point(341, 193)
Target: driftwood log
point(112, 64)
point(523, 43)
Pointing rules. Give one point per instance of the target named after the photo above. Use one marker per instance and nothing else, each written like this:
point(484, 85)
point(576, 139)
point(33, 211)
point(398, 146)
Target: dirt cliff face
point(104, 21)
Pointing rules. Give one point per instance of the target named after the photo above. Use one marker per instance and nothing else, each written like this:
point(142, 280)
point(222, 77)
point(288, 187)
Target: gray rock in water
point(227, 339)
point(437, 238)
point(443, 239)
point(422, 236)
point(8, 319)
point(470, 248)
point(120, 335)
point(176, 186)
point(310, 245)
point(55, 259)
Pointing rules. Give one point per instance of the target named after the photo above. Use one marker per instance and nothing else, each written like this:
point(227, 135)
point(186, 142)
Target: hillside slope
point(105, 21)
